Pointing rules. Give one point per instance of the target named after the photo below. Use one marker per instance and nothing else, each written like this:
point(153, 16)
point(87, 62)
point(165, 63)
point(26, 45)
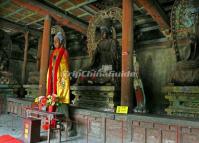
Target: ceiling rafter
point(85, 12)
point(34, 13)
point(67, 9)
point(60, 17)
point(80, 4)
point(89, 9)
point(13, 13)
point(158, 15)
point(29, 15)
point(60, 2)
point(18, 27)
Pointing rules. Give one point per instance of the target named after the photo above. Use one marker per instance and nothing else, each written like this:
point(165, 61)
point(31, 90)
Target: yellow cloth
point(63, 78)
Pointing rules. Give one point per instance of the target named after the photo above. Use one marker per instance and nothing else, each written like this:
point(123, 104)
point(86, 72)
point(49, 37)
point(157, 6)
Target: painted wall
point(156, 66)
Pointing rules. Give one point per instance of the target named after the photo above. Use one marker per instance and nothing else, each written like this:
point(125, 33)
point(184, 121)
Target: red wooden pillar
point(127, 53)
point(44, 56)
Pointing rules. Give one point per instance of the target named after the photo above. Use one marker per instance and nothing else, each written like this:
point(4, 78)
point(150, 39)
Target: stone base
point(102, 98)
point(183, 101)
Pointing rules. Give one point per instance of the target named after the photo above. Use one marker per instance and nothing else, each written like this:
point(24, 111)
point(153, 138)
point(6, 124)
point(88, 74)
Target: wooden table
point(34, 113)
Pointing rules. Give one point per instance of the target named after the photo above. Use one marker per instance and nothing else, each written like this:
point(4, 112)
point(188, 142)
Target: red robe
point(58, 78)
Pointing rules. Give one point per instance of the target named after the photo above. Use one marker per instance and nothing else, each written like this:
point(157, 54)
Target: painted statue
point(58, 79)
point(139, 89)
point(106, 58)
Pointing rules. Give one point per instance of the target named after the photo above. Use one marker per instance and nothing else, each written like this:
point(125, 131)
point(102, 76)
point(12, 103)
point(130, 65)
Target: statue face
point(57, 43)
point(104, 35)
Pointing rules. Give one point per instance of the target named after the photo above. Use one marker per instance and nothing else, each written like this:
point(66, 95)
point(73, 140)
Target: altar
point(44, 116)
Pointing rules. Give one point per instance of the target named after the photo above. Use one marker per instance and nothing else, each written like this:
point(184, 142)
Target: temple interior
point(99, 71)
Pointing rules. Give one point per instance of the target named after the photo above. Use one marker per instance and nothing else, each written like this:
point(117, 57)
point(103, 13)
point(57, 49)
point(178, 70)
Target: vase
point(51, 108)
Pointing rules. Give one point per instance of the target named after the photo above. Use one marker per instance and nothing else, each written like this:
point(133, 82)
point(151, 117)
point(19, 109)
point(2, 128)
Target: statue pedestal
point(183, 100)
point(101, 98)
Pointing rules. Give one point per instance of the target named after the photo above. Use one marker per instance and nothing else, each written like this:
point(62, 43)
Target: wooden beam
point(127, 53)
point(84, 14)
point(35, 21)
point(153, 8)
point(143, 21)
point(15, 12)
point(45, 51)
point(29, 15)
point(89, 9)
point(150, 28)
point(6, 24)
point(34, 13)
point(60, 2)
point(60, 17)
point(67, 9)
point(26, 35)
point(79, 5)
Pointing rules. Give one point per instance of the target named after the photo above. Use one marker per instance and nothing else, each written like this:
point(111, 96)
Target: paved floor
point(12, 125)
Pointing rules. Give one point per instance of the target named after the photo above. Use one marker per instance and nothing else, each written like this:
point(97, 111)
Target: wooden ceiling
point(27, 13)
point(75, 14)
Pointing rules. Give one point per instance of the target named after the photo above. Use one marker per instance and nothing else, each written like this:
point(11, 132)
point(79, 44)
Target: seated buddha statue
point(106, 58)
point(186, 71)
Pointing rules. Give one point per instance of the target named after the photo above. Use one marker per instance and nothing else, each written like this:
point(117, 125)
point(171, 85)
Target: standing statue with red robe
point(58, 78)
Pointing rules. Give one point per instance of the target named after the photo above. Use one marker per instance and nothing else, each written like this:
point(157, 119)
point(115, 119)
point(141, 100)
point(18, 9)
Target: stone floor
point(12, 125)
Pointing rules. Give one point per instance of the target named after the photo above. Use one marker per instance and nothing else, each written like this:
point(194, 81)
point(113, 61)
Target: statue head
point(58, 40)
point(105, 33)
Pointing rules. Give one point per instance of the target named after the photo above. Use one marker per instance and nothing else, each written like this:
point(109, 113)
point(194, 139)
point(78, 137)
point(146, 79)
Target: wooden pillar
point(45, 51)
point(127, 53)
point(23, 76)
